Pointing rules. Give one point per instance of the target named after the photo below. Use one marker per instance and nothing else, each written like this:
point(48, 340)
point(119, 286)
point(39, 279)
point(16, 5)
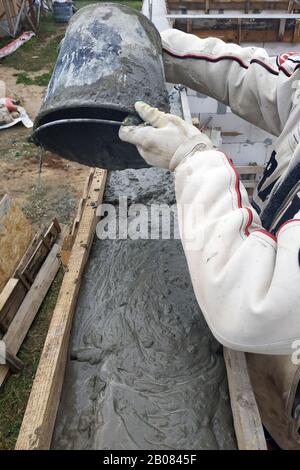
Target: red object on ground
point(10, 106)
point(14, 45)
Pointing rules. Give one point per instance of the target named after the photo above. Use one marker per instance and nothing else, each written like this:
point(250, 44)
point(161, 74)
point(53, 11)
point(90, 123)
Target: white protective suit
point(246, 273)
point(247, 276)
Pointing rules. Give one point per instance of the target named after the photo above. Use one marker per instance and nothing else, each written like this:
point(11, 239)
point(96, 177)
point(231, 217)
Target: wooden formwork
point(38, 423)
point(238, 21)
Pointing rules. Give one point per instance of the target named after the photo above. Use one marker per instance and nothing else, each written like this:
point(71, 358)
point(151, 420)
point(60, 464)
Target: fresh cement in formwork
point(144, 371)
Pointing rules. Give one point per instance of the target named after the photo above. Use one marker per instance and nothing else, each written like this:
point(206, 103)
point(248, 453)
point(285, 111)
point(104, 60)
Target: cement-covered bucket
point(110, 58)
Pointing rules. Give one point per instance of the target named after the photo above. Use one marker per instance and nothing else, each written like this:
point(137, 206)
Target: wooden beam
point(239, 30)
point(281, 29)
point(230, 35)
point(38, 423)
point(290, 6)
point(234, 15)
point(247, 422)
point(11, 298)
point(25, 315)
point(69, 239)
point(240, 5)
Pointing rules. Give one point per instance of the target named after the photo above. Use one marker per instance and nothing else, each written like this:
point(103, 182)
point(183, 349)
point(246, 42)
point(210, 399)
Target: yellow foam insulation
point(15, 236)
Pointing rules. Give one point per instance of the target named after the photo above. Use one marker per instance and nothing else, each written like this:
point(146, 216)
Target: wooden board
point(275, 381)
point(247, 422)
point(15, 236)
point(30, 306)
point(243, 6)
point(38, 423)
point(11, 298)
point(69, 239)
point(231, 35)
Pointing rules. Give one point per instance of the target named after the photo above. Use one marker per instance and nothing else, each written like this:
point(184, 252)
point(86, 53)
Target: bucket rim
point(77, 105)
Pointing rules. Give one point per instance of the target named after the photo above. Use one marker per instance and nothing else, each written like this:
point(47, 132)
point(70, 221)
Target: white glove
point(167, 140)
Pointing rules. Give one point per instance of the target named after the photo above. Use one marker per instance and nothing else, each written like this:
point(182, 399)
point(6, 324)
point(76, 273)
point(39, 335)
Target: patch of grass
point(41, 80)
point(15, 394)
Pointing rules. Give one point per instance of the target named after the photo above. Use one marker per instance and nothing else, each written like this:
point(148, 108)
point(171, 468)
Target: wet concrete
point(144, 371)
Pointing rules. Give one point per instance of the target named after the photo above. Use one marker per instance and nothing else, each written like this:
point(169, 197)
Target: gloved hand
point(167, 140)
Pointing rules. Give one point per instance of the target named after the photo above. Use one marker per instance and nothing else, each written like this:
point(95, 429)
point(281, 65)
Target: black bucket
point(110, 58)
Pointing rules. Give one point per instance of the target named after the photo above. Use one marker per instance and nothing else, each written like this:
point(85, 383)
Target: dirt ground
point(53, 192)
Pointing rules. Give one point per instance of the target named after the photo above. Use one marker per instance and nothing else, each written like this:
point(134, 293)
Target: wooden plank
point(247, 422)
point(275, 382)
point(11, 298)
point(230, 35)
point(239, 30)
point(296, 32)
point(38, 423)
point(290, 6)
point(32, 13)
point(7, 291)
point(82, 201)
point(30, 306)
point(15, 236)
point(230, 5)
point(234, 16)
point(69, 239)
point(249, 169)
point(281, 30)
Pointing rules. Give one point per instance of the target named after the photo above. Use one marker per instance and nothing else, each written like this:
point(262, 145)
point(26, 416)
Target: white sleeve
point(252, 83)
point(246, 280)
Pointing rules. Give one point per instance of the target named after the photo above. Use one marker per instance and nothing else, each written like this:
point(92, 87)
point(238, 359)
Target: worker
point(246, 270)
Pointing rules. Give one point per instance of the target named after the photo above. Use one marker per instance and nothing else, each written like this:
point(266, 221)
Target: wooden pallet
point(28, 309)
point(23, 278)
point(14, 11)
